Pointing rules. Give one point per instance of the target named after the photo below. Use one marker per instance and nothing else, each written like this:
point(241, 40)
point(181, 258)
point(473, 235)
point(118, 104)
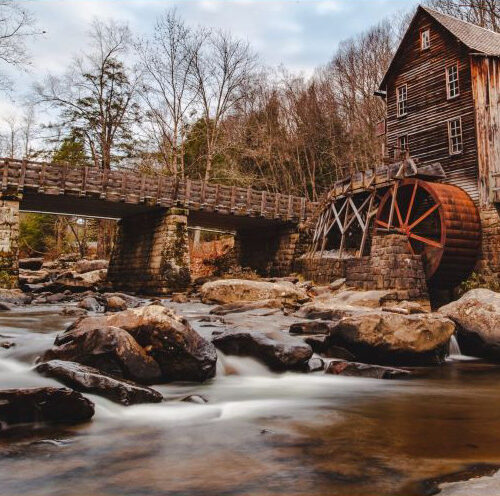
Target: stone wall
point(270, 253)
point(488, 266)
point(9, 239)
point(390, 265)
point(151, 253)
point(320, 270)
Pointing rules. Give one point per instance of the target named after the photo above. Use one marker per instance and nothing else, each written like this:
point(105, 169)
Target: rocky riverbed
point(244, 387)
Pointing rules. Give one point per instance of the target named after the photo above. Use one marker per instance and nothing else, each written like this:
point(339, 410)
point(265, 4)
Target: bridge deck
point(61, 188)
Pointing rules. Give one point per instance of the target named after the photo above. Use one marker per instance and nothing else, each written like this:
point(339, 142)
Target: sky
point(299, 34)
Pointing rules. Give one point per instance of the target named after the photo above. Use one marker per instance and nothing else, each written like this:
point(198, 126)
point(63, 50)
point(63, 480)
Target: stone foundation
point(151, 253)
point(9, 239)
point(390, 265)
point(488, 266)
point(320, 270)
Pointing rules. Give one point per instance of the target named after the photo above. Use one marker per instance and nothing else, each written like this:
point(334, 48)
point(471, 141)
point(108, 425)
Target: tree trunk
point(105, 235)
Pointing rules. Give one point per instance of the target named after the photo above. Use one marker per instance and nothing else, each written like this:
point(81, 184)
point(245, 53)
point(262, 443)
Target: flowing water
point(260, 433)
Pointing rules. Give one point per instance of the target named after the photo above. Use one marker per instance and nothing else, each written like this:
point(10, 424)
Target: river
point(259, 433)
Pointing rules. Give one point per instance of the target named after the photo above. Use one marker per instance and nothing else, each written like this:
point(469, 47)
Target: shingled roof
point(476, 38)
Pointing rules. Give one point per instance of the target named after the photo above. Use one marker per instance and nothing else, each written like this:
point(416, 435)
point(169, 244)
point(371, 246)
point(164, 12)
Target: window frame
point(450, 137)
point(448, 81)
point(428, 46)
point(401, 150)
point(405, 100)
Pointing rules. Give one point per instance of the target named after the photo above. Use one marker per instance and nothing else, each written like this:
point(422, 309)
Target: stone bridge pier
point(151, 252)
point(9, 239)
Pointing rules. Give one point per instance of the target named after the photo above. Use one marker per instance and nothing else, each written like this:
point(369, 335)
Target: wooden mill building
point(442, 91)
point(439, 188)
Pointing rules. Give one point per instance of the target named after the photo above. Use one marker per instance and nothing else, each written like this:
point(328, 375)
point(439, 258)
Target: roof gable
point(476, 38)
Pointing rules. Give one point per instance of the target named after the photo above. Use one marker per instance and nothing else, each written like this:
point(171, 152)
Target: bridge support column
point(270, 254)
point(9, 243)
point(151, 253)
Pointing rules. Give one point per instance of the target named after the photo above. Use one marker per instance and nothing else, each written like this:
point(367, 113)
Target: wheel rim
point(441, 224)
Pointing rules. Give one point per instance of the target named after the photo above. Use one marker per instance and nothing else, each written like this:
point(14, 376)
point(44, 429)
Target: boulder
point(391, 338)
point(354, 369)
point(45, 404)
point(278, 350)
point(31, 263)
point(84, 265)
point(91, 380)
point(477, 315)
point(79, 282)
point(337, 284)
point(14, 297)
point(115, 304)
point(109, 349)
point(91, 304)
point(180, 352)
point(237, 290)
point(179, 298)
point(315, 364)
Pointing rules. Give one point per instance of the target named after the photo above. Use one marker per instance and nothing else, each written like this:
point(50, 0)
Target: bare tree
point(96, 97)
point(19, 133)
point(485, 13)
point(16, 26)
point(167, 60)
point(223, 67)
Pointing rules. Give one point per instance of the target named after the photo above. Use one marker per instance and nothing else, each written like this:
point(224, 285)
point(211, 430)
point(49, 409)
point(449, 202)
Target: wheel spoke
point(381, 223)
point(424, 216)
point(410, 206)
point(427, 241)
point(398, 212)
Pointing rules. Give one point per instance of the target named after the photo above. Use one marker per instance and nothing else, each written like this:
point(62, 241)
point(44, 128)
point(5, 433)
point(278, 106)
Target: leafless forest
point(198, 102)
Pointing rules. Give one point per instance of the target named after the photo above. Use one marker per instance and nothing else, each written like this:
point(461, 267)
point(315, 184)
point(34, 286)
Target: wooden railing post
point(22, 175)
point(233, 198)
point(263, 203)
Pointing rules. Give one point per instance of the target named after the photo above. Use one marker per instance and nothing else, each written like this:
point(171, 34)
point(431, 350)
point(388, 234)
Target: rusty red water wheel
point(441, 223)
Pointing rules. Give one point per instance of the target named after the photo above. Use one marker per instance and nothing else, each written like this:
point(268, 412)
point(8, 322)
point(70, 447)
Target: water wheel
point(441, 223)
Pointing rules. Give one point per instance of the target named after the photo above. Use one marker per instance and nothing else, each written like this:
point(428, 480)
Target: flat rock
point(237, 290)
point(91, 380)
point(245, 306)
point(311, 327)
point(277, 349)
point(14, 297)
point(477, 315)
point(91, 304)
point(45, 404)
point(354, 369)
point(382, 337)
point(84, 265)
point(34, 263)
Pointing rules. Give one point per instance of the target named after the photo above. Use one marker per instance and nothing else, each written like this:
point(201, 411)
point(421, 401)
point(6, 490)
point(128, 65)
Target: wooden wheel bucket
point(441, 223)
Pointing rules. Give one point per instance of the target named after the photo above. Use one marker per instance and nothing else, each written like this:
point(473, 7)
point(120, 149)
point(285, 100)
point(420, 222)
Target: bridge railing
point(165, 191)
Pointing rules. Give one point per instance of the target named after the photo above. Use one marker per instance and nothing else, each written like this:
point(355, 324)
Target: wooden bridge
point(109, 193)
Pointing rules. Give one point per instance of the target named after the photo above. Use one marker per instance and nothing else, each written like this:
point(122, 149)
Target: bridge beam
point(151, 253)
point(9, 242)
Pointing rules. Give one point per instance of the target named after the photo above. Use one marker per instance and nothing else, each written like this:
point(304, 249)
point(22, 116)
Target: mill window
point(403, 146)
point(452, 85)
point(402, 100)
point(455, 136)
point(425, 39)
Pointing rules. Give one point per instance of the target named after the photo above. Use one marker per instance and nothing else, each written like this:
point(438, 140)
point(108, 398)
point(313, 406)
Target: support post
point(9, 242)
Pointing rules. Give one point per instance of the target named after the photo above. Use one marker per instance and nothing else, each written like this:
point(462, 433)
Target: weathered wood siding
point(426, 124)
point(486, 87)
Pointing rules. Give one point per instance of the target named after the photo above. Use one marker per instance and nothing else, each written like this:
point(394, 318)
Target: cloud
point(328, 6)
